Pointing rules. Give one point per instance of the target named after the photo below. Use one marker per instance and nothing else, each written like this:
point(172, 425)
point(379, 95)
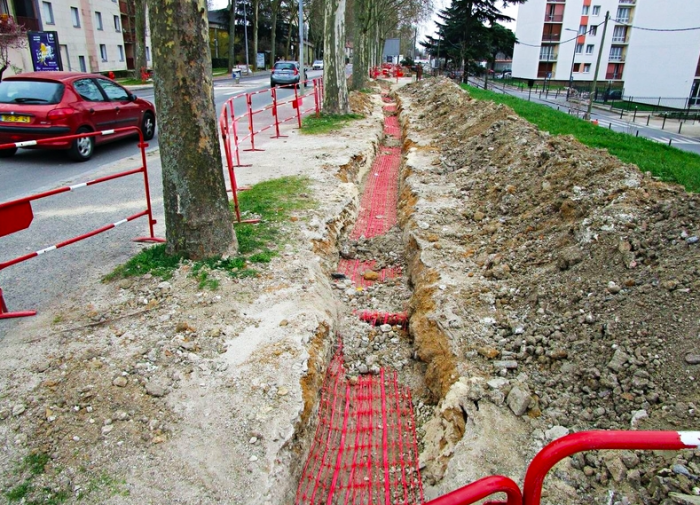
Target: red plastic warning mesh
point(390, 107)
point(377, 318)
point(386, 99)
point(355, 269)
point(391, 126)
point(364, 450)
point(378, 205)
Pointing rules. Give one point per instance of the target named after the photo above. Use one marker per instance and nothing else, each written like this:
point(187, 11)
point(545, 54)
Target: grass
point(273, 202)
point(326, 123)
point(26, 492)
point(667, 163)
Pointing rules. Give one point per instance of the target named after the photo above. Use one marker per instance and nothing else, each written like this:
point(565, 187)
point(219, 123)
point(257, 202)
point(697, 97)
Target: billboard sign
point(45, 51)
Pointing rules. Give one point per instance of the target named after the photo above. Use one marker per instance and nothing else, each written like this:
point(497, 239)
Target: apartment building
point(93, 35)
point(651, 47)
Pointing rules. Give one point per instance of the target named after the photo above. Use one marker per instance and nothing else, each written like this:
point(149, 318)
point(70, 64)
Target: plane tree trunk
point(336, 88)
point(197, 215)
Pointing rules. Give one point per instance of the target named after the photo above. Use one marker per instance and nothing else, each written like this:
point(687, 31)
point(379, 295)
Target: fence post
point(298, 106)
point(663, 125)
point(634, 118)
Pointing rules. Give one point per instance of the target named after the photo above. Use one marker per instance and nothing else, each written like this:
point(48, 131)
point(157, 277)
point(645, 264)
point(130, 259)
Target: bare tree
point(276, 5)
point(197, 215)
point(12, 36)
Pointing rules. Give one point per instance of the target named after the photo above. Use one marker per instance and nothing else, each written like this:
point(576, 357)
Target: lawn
point(667, 163)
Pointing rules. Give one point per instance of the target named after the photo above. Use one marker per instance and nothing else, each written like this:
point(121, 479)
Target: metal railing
point(547, 56)
point(553, 18)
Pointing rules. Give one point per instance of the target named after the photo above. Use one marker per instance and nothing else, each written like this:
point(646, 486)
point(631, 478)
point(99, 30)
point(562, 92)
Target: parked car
point(286, 73)
point(44, 105)
point(317, 65)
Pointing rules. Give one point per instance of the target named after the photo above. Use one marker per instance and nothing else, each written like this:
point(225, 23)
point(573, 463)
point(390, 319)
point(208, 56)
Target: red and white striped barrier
point(17, 215)
point(229, 125)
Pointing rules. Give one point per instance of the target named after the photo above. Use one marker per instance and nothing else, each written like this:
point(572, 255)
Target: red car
point(43, 105)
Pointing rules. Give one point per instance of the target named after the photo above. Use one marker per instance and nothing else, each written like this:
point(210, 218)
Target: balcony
point(556, 1)
point(611, 76)
point(616, 58)
point(619, 40)
point(551, 37)
point(543, 74)
point(628, 2)
point(547, 56)
point(552, 18)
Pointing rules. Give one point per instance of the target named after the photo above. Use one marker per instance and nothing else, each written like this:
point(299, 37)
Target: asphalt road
point(37, 282)
point(34, 171)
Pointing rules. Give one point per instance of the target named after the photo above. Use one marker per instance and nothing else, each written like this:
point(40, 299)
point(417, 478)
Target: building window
point(117, 24)
point(586, 68)
point(75, 16)
point(589, 49)
point(584, 12)
point(579, 48)
point(98, 20)
point(47, 10)
point(121, 53)
point(582, 29)
point(81, 61)
point(593, 31)
point(148, 53)
point(596, 10)
point(615, 53)
point(623, 15)
point(103, 52)
point(619, 34)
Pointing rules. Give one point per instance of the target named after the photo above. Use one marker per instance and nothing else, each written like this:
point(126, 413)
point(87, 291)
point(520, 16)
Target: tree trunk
point(273, 36)
point(140, 45)
point(256, 20)
point(232, 35)
point(197, 215)
point(360, 60)
point(336, 87)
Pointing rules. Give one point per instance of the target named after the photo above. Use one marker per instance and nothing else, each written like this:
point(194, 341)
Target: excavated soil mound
point(563, 285)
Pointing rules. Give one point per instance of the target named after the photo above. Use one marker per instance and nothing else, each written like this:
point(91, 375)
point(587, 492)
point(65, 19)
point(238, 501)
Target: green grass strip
point(326, 123)
point(273, 202)
point(667, 163)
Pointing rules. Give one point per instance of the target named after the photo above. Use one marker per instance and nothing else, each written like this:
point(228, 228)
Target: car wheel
point(7, 153)
point(272, 84)
point(148, 126)
point(82, 148)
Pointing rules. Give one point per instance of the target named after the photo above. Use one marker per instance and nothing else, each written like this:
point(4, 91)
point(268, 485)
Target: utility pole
point(597, 66)
point(301, 46)
point(245, 34)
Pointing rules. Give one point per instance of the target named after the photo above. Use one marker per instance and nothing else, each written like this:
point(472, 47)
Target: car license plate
point(14, 119)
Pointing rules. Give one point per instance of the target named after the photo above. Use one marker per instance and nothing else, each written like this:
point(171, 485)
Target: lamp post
point(573, 58)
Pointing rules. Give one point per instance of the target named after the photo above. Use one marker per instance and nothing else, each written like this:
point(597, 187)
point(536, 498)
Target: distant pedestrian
point(419, 72)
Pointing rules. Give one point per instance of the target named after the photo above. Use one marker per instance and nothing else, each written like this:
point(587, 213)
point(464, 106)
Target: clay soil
point(550, 289)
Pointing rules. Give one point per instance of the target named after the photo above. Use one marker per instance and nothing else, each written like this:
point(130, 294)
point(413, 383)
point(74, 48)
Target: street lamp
point(573, 57)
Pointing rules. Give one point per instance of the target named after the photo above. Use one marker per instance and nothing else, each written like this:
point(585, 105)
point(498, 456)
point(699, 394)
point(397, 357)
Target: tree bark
point(197, 215)
point(273, 36)
point(336, 87)
point(360, 59)
point(140, 45)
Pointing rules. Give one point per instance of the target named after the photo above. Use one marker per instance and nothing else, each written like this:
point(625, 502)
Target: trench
point(374, 397)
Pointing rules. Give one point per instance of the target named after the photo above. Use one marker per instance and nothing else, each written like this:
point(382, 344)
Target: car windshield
point(34, 92)
point(285, 66)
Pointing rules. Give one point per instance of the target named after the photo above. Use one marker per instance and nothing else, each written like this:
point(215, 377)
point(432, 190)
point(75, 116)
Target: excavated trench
point(362, 444)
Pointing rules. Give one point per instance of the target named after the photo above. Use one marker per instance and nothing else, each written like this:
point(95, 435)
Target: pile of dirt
point(565, 287)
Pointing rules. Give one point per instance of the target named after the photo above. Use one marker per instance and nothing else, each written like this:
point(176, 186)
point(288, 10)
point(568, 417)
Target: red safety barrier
point(17, 215)
point(229, 121)
point(480, 489)
point(560, 449)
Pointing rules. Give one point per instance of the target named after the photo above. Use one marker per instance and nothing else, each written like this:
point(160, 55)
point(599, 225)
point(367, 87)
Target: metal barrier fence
point(560, 449)
point(280, 112)
point(17, 215)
